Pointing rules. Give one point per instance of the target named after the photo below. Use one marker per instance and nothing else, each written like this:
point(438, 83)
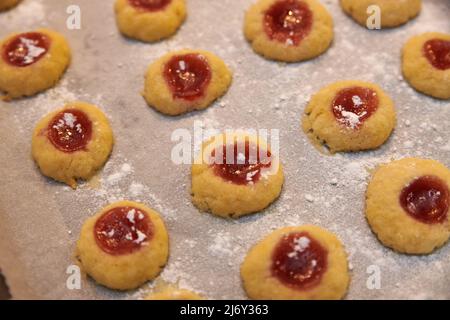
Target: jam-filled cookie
point(393, 13)
point(349, 116)
point(123, 246)
point(236, 174)
point(185, 80)
point(296, 263)
point(289, 30)
point(171, 293)
point(426, 64)
point(149, 20)
point(407, 205)
point(31, 62)
point(72, 143)
point(7, 4)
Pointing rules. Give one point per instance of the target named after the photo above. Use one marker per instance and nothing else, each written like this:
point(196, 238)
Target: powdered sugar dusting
point(33, 51)
point(222, 245)
point(348, 118)
point(300, 245)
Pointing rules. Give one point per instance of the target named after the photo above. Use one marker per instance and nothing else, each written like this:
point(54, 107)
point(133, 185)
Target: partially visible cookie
point(393, 13)
point(8, 4)
point(171, 293)
point(31, 62)
point(426, 64)
point(149, 21)
point(289, 30)
point(185, 80)
point(124, 245)
point(349, 116)
point(407, 205)
point(296, 263)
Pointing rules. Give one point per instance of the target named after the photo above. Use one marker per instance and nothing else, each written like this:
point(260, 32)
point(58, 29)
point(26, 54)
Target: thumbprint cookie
point(8, 4)
point(149, 20)
point(349, 116)
point(296, 263)
point(185, 80)
point(174, 294)
point(392, 13)
point(426, 64)
point(31, 62)
point(123, 246)
point(289, 30)
point(236, 174)
point(407, 205)
point(72, 143)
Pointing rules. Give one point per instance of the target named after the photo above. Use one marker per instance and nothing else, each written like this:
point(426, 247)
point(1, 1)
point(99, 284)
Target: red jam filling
point(70, 130)
point(243, 164)
point(26, 49)
point(352, 106)
point(150, 5)
point(437, 52)
point(288, 21)
point(426, 199)
point(188, 75)
point(299, 261)
point(123, 230)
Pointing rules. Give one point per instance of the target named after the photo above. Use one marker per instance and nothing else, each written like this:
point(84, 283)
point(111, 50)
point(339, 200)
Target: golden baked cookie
point(407, 205)
point(236, 174)
point(149, 20)
point(349, 116)
point(296, 263)
point(185, 80)
point(32, 62)
point(174, 294)
point(7, 4)
point(426, 64)
point(289, 30)
point(123, 246)
point(393, 13)
point(72, 143)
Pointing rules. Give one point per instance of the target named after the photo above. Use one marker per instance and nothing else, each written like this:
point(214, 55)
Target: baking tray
point(40, 219)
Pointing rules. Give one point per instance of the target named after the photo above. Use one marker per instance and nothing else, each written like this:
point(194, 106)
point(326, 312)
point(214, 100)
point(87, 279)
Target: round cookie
point(349, 116)
point(236, 174)
point(32, 62)
point(185, 80)
point(174, 294)
point(7, 4)
point(123, 246)
point(296, 263)
point(72, 143)
point(426, 64)
point(393, 13)
point(289, 30)
point(407, 205)
point(149, 20)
